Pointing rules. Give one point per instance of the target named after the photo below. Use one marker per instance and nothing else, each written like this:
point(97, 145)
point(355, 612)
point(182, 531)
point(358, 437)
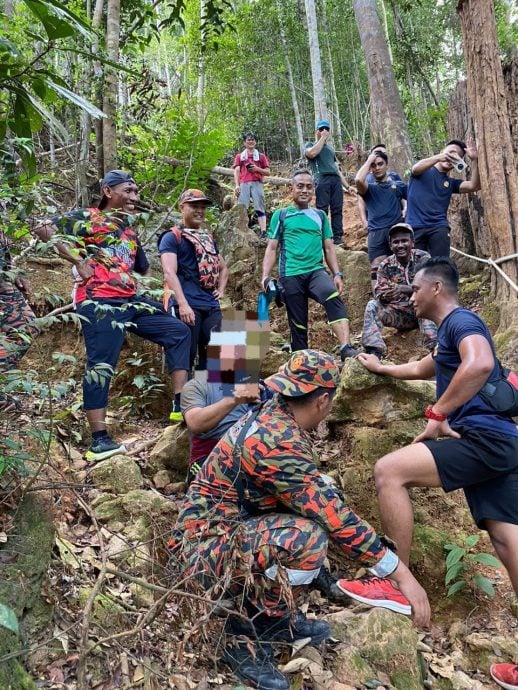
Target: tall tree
point(319, 96)
point(111, 86)
point(497, 162)
point(388, 122)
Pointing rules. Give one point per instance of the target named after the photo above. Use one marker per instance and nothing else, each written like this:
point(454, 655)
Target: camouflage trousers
point(263, 562)
point(400, 316)
point(17, 327)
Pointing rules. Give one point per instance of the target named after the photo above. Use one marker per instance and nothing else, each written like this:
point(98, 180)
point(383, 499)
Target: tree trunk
point(319, 98)
point(337, 124)
point(497, 163)
point(201, 71)
point(291, 83)
point(388, 122)
point(111, 86)
point(98, 80)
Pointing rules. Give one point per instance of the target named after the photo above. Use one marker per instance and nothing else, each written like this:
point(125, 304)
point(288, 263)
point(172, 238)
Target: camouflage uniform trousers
point(400, 316)
point(245, 564)
point(17, 327)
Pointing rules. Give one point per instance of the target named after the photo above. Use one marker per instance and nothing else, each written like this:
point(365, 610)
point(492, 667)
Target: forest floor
point(172, 643)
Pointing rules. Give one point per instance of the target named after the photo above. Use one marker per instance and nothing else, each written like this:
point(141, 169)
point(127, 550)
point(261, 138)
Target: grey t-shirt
point(324, 163)
point(198, 394)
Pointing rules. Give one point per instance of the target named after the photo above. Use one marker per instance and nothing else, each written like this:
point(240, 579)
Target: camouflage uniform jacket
point(392, 273)
point(279, 471)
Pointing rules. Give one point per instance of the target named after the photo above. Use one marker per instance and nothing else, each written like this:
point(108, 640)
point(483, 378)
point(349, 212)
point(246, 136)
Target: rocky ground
point(84, 559)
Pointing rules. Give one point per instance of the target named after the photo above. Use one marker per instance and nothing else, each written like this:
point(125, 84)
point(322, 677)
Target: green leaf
point(486, 559)
point(90, 108)
point(8, 619)
point(449, 547)
point(471, 541)
point(457, 587)
point(485, 585)
point(454, 556)
point(453, 572)
point(58, 21)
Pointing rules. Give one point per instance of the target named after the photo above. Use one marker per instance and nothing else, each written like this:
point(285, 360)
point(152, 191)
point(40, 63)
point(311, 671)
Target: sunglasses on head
point(323, 129)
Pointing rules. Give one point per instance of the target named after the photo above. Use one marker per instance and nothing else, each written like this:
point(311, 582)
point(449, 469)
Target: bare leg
point(179, 378)
point(504, 537)
point(394, 474)
point(96, 419)
point(341, 331)
point(262, 223)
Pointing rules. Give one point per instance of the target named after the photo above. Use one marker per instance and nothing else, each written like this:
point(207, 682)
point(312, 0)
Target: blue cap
point(323, 123)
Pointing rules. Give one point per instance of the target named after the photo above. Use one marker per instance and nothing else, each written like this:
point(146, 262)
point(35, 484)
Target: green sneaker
point(176, 416)
point(104, 448)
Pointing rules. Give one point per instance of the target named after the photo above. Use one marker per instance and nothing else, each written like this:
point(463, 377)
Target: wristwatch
point(339, 274)
point(430, 414)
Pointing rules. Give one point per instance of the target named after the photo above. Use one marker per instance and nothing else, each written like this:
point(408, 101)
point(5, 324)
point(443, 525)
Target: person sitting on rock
point(470, 441)
point(195, 274)
point(304, 238)
point(383, 198)
point(259, 502)
point(103, 246)
point(391, 305)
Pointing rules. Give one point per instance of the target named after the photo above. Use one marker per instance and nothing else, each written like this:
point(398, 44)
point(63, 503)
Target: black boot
point(326, 585)
point(251, 659)
point(290, 628)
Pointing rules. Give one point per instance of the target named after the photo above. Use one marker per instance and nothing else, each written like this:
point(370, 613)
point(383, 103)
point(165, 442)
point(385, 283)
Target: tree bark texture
point(111, 86)
point(497, 161)
point(319, 97)
point(388, 122)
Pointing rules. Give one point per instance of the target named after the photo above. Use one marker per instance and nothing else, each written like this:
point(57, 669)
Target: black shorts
point(378, 243)
point(485, 464)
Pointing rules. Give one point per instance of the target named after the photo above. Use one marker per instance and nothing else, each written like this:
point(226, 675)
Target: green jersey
point(301, 239)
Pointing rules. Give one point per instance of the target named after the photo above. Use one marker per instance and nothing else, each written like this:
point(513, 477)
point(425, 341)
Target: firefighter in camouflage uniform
point(258, 516)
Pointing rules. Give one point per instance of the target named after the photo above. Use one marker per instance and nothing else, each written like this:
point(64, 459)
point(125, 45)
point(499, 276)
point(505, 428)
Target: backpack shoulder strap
point(239, 480)
point(177, 232)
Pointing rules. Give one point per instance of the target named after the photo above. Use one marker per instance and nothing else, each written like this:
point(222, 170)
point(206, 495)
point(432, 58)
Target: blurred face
point(401, 245)
point(193, 213)
point(121, 197)
point(423, 294)
point(453, 151)
point(379, 168)
point(302, 190)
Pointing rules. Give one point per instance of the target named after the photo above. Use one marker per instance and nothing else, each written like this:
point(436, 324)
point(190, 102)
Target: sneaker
point(176, 416)
point(326, 585)
point(376, 591)
point(506, 675)
point(347, 351)
point(289, 629)
point(103, 448)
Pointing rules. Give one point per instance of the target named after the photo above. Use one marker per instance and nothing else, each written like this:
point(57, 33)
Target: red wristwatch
point(430, 414)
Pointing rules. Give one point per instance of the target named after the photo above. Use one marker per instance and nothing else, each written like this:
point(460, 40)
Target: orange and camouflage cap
point(305, 371)
point(191, 195)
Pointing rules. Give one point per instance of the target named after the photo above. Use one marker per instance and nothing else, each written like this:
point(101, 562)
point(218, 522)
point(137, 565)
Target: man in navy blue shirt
point(479, 449)
point(429, 193)
point(195, 275)
point(383, 198)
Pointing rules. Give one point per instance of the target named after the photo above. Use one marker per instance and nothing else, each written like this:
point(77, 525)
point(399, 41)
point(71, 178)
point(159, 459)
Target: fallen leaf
point(295, 665)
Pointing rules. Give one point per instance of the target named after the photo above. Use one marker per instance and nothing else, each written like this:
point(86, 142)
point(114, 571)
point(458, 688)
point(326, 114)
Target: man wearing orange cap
point(195, 275)
point(259, 504)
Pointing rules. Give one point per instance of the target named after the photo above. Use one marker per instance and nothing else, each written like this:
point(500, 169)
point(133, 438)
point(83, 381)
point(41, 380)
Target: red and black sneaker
point(506, 675)
point(376, 591)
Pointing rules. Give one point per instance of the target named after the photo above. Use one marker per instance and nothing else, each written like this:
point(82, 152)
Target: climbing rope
point(494, 263)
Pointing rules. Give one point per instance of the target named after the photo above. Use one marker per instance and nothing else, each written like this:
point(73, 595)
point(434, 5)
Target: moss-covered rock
point(117, 475)
point(378, 641)
point(428, 551)
point(171, 452)
point(106, 612)
point(20, 586)
point(357, 284)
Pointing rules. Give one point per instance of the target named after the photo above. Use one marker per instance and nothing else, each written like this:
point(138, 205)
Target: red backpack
point(207, 256)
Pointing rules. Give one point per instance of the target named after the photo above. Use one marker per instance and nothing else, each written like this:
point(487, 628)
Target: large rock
point(374, 400)
point(357, 284)
point(171, 452)
point(150, 506)
point(378, 641)
point(117, 475)
point(235, 239)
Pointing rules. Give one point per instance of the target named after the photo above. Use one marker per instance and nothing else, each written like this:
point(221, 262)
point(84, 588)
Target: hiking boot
point(347, 351)
point(326, 585)
point(289, 629)
point(103, 448)
point(374, 351)
point(506, 675)
point(255, 665)
point(376, 591)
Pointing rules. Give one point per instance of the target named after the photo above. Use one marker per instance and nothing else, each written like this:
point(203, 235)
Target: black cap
point(112, 179)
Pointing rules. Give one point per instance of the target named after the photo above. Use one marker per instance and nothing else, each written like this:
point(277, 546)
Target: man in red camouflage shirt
point(260, 502)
